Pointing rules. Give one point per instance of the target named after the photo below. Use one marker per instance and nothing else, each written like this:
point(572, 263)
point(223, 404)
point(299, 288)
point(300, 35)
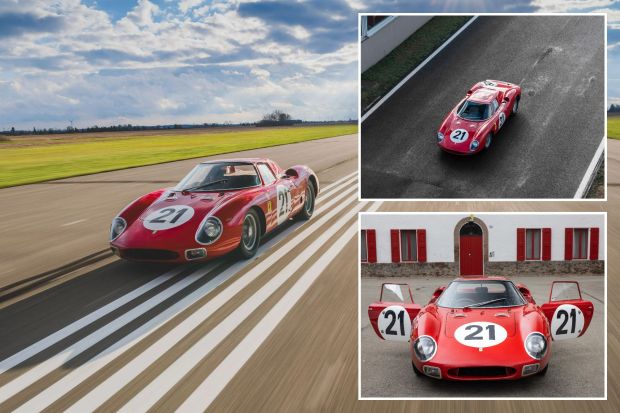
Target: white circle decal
point(502, 119)
point(394, 323)
point(480, 334)
point(169, 217)
point(567, 322)
point(283, 203)
point(459, 135)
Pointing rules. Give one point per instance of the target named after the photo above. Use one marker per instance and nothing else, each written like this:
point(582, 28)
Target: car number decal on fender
point(502, 119)
point(480, 334)
point(459, 135)
point(283, 203)
point(567, 322)
point(169, 217)
point(394, 323)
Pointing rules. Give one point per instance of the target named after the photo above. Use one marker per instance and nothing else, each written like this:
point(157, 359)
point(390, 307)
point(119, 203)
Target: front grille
point(492, 371)
point(149, 254)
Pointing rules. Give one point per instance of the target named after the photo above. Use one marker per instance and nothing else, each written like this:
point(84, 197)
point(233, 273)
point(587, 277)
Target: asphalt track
point(543, 152)
point(278, 333)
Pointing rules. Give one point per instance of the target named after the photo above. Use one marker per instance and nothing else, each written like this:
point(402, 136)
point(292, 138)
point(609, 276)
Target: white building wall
point(502, 232)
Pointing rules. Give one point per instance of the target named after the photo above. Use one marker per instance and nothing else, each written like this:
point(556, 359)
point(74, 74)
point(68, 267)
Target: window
point(495, 105)
point(580, 243)
point(408, 246)
point(532, 244)
point(219, 176)
point(364, 246)
point(372, 24)
point(266, 174)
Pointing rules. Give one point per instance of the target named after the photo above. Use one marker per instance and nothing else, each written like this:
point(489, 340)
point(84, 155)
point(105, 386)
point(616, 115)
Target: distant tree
point(13, 130)
point(277, 116)
point(614, 108)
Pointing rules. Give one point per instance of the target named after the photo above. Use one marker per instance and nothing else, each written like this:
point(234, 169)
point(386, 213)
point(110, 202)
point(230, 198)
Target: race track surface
point(543, 152)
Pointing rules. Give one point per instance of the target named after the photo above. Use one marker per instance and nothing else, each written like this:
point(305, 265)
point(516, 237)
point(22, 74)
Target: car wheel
point(415, 370)
point(488, 140)
point(308, 208)
point(515, 107)
point(250, 235)
point(544, 371)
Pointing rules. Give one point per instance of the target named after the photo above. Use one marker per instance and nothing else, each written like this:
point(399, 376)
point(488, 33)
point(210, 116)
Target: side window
point(266, 174)
point(495, 105)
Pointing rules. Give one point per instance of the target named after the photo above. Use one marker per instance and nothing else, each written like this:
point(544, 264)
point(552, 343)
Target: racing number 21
point(478, 329)
point(401, 318)
point(566, 315)
point(165, 214)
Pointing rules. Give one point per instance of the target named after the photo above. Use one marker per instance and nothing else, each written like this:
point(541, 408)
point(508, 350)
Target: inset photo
point(482, 305)
point(483, 106)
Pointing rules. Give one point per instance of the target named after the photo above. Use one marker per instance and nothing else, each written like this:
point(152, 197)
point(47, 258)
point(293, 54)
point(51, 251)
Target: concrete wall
point(377, 45)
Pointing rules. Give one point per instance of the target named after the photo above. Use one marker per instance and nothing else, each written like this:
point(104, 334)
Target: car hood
point(201, 202)
point(505, 317)
point(450, 129)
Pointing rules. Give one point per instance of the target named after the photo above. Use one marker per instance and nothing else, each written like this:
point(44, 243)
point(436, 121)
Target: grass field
point(43, 159)
point(613, 127)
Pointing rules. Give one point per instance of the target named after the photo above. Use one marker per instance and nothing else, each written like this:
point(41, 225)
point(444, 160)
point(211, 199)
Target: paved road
point(541, 153)
point(121, 333)
point(576, 368)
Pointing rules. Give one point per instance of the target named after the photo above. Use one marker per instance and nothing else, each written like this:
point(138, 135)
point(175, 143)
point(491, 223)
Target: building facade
point(474, 244)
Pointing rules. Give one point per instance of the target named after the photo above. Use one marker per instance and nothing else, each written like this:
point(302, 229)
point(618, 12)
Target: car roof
point(483, 95)
point(238, 160)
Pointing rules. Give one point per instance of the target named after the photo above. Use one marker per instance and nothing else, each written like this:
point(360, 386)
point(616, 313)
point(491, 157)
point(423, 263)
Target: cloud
point(16, 24)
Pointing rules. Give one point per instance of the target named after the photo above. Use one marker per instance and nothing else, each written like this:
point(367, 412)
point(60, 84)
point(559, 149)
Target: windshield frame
point(179, 188)
point(460, 106)
point(473, 306)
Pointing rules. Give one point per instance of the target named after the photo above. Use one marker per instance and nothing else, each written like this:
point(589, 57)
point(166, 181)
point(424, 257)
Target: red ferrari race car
point(474, 122)
point(482, 328)
point(219, 207)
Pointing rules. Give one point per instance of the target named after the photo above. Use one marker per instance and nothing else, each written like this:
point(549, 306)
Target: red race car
point(482, 328)
point(474, 122)
point(219, 207)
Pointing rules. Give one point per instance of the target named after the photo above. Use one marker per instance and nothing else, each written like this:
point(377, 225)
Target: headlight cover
point(424, 348)
point(209, 231)
point(536, 345)
point(439, 136)
point(118, 226)
point(474, 145)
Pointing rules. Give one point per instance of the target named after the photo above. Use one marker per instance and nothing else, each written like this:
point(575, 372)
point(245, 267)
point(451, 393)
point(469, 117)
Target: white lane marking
point(49, 365)
point(73, 222)
point(64, 332)
point(327, 188)
point(53, 338)
point(416, 70)
point(581, 189)
point(68, 382)
point(150, 394)
point(211, 387)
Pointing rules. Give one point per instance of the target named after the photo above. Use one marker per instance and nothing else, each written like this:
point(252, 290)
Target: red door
point(471, 255)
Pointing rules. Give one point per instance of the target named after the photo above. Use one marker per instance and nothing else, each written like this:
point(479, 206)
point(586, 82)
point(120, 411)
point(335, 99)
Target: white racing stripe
point(211, 387)
point(177, 370)
point(327, 188)
point(77, 325)
point(80, 373)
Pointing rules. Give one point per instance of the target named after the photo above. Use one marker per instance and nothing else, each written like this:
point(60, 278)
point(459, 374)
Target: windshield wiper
point(202, 186)
point(485, 302)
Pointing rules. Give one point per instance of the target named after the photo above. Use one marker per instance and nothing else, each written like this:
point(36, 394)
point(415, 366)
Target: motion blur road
point(276, 333)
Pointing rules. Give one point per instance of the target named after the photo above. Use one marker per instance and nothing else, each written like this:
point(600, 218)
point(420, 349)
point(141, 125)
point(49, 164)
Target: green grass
point(613, 127)
point(36, 163)
point(379, 79)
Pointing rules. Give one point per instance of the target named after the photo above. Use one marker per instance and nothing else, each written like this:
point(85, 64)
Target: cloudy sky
point(192, 61)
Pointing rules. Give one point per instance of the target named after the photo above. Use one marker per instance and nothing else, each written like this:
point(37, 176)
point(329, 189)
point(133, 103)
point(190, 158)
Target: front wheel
point(488, 140)
point(250, 235)
point(515, 107)
point(309, 197)
point(415, 370)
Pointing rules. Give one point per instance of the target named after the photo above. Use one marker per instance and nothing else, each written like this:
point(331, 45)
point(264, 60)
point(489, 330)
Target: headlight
point(117, 228)
point(424, 348)
point(210, 231)
point(474, 145)
point(439, 136)
point(536, 345)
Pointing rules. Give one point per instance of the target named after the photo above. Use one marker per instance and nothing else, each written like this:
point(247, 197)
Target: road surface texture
point(277, 333)
point(576, 368)
point(543, 152)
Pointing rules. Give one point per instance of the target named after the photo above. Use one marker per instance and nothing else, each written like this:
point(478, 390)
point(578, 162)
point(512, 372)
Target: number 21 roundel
point(394, 323)
point(169, 217)
point(567, 322)
point(480, 334)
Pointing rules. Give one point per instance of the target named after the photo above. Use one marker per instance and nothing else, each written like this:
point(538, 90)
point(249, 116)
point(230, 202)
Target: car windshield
point(218, 176)
point(480, 294)
point(471, 110)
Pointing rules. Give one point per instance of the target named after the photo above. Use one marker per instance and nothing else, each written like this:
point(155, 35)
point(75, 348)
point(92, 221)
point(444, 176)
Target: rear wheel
point(250, 235)
point(309, 197)
point(488, 140)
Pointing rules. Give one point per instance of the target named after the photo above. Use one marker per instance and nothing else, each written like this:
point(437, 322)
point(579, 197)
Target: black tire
point(250, 235)
point(515, 107)
point(309, 199)
point(488, 141)
point(415, 370)
point(544, 371)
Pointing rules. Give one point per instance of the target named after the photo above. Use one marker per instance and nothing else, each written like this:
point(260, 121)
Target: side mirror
point(284, 176)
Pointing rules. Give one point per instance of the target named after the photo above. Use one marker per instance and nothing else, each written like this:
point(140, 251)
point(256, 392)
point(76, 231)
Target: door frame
point(457, 242)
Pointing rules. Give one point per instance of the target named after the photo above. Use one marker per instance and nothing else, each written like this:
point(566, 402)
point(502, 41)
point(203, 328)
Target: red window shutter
point(568, 244)
point(520, 244)
point(546, 244)
point(371, 242)
point(421, 245)
point(594, 243)
point(395, 235)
